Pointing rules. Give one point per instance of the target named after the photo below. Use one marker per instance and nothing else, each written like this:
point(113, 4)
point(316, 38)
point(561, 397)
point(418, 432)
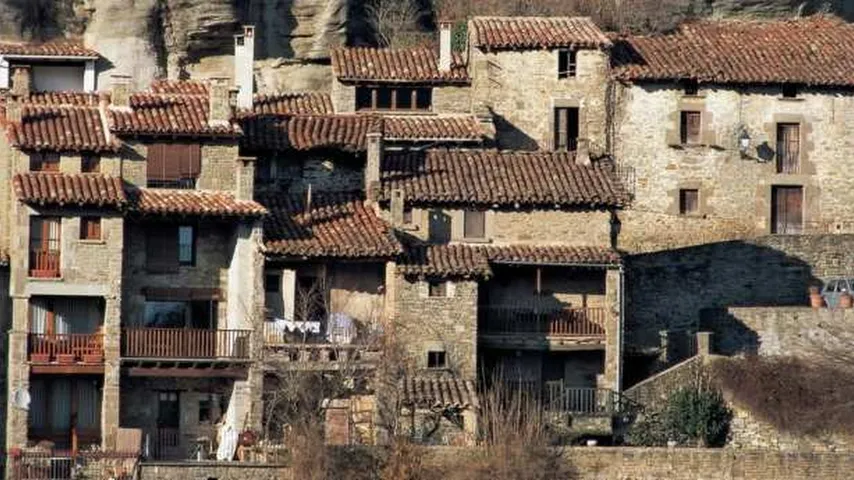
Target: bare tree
point(395, 22)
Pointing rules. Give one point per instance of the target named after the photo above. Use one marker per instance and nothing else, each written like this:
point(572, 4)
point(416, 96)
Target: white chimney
point(244, 60)
point(444, 46)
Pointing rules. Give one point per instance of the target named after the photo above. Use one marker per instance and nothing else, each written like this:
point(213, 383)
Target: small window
point(90, 228)
point(272, 283)
point(90, 163)
point(435, 359)
point(691, 87)
point(423, 99)
point(205, 409)
point(438, 289)
point(364, 98)
point(566, 129)
point(186, 245)
point(689, 201)
point(383, 99)
point(690, 128)
point(404, 98)
point(790, 91)
point(566, 64)
point(407, 215)
point(474, 224)
point(788, 147)
point(44, 162)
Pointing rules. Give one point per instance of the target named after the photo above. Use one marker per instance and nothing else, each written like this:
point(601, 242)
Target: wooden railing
point(66, 348)
point(185, 343)
point(319, 353)
point(44, 263)
point(26, 464)
point(569, 322)
point(589, 401)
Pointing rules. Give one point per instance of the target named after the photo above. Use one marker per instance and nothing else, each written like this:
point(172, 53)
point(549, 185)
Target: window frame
point(684, 203)
point(437, 289)
point(691, 88)
point(39, 161)
point(566, 122)
point(192, 246)
point(482, 224)
point(90, 225)
point(437, 359)
point(686, 137)
point(277, 281)
point(783, 160)
point(90, 163)
point(790, 90)
point(368, 97)
point(567, 63)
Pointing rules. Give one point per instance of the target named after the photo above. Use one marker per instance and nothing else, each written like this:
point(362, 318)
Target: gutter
point(621, 326)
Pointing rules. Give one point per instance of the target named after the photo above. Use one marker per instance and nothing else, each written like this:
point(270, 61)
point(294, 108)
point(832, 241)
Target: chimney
point(222, 101)
point(21, 81)
point(398, 202)
point(245, 178)
point(483, 114)
point(244, 62)
point(704, 344)
point(444, 46)
point(372, 165)
point(582, 152)
point(13, 108)
point(120, 91)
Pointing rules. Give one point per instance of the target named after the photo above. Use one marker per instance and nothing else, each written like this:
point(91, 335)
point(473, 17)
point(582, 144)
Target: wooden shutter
point(474, 224)
point(561, 128)
point(787, 213)
point(162, 249)
point(156, 162)
point(788, 147)
point(90, 228)
point(689, 201)
point(690, 127)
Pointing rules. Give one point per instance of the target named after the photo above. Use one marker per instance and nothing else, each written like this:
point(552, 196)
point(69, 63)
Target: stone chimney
point(13, 108)
point(372, 165)
point(704, 344)
point(398, 201)
point(245, 178)
point(222, 101)
point(21, 81)
point(120, 91)
point(244, 61)
point(582, 152)
point(444, 46)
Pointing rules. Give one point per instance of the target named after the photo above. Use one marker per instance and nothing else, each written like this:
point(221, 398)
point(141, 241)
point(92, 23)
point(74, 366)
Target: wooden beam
point(81, 369)
point(187, 372)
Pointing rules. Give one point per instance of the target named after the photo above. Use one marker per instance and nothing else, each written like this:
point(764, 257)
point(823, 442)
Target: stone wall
point(216, 470)
point(218, 172)
point(446, 98)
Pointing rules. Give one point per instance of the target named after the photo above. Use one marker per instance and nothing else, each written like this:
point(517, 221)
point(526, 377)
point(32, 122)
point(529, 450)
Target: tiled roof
point(60, 128)
point(447, 260)
point(336, 226)
point(458, 128)
point(191, 202)
point(552, 255)
point(60, 48)
point(439, 391)
point(63, 98)
point(502, 33)
point(815, 51)
point(410, 65)
point(292, 103)
point(179, 87)
point(489, 177)
point(84, 189)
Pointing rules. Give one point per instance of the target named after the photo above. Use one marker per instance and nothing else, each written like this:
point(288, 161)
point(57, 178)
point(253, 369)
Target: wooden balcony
point(554, 328)
point(185, 344)
point(320, 356)
point(44, 263)
point(66, 350)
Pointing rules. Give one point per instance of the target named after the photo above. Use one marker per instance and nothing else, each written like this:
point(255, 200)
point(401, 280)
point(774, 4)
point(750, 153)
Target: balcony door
point(44, 246)
point(787, 215)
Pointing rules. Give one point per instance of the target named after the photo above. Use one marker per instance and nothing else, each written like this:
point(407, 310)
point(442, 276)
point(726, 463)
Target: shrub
point(692, 416)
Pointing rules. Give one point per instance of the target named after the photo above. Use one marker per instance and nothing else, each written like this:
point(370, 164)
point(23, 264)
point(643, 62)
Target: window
point(186, 245)
point(173, 165)
point(435, 359)
point(168, 410)
point(437, 289)
point(474, 224)
point(690, 128)
point(407, 215)
point(206, 409)
point(90, 228)
point(44, 162)
point(790, 91)
point(393, 98)
point(44, 246)
point(167, 247)
point(689, 201)
point(566, 63)
point(566, 129)
point(90, 163)
point(272, 283)
point(177, 313)
point(691, 87)
point(788, 147)
point(787, 210)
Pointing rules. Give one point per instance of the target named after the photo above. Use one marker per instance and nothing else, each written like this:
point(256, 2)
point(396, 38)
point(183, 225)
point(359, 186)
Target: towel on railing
point(341, 329)
point(282, 326)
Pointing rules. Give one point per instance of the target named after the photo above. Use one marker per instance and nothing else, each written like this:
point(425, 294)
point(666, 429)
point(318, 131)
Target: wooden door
point(787, 210)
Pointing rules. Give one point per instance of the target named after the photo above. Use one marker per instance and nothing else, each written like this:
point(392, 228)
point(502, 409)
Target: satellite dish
point(21, 399)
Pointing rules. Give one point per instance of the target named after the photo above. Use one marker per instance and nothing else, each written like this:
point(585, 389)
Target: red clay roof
point(816, 50)
point(552, 255)
point(58, 48)
point(191, 203)
point(447, 128)
point(439, 391)
point(411, 65)
point(179, 87)
point(340, 226)
point(489, 177)
point(503, 33)
point(292, 103)
point(84, 189)
point(449, 260)
point(60, 128)
point(63, 98)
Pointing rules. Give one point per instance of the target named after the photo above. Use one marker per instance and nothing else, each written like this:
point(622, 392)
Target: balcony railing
point(568, 322)
point(44, 263)
point(178, 343)
point(580, 400)
point(66, 348)
point(68, 464)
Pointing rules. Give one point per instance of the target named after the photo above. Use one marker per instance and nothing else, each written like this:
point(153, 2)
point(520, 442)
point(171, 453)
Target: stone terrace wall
point(217, 470)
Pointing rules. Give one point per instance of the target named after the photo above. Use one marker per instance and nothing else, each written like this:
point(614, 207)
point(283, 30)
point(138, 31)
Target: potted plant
point(816, 301)
point(65, 358)
point(40, 357)
point(93, 357)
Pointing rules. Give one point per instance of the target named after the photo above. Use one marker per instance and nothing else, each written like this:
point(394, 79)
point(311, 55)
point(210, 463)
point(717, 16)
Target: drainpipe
point(622, 322)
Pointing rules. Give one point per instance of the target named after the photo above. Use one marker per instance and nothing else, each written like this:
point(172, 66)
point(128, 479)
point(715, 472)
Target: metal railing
point(44, 263)
point(567, 322)
point(580, 400)
point(185, 343)
point(66, 348)
point(68, 465)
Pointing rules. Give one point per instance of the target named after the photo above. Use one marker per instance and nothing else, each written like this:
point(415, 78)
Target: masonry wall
point(734, 188)
point(217, 470)
point(219, 164)
point(522, 88)
point(446, 98)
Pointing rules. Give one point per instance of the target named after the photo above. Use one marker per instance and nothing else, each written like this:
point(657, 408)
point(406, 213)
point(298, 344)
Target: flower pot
point(816, 301)
point(93, 358)
point(845, 300)
point(65, 358)
point(40, 357)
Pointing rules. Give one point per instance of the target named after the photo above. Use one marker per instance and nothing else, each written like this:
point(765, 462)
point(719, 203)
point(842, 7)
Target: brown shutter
point(162, 249)
point(690, 127)
point(474, 224)
point(788, 147)
point(787, 214)
point(561, 128)
point(156, 162)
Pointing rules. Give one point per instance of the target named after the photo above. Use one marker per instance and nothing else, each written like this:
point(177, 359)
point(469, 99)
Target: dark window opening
point(206, 409)
point(364, 97)
point(438, 289)
point(788, 147)
point(383, 98)
point(44, 162)
point(169, 246)
point(690, 128)
point(435, 359)
point(44, 246)
point(474, 224)
point(691, 87)
point(790, 91)
point(186, 245)
point(168, 410)
point(393, 98)
point(787, 210)
point(566, 64)
point(566, 129)
point(90, 228)
point(689, 201)
point(177, 313)
point(404, 98)
point(90, 163)
point(407, 215)
point(272, 283)
point(174, 165)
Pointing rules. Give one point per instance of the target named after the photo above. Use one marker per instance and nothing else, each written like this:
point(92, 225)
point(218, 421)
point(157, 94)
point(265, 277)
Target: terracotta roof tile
point(497, 33)
point(450, 260)
point(191, 202)
point(84, 189)
point(411, 65)
point(489, 177)
point(179, 87)
point(439, 391)
point(336, 226)
point(60, 128)
point(814, 51)
point(292, 103)
point(63, 98)
point(58, 48)
point(552, 255)
point(448, 128)
point(164, 112)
